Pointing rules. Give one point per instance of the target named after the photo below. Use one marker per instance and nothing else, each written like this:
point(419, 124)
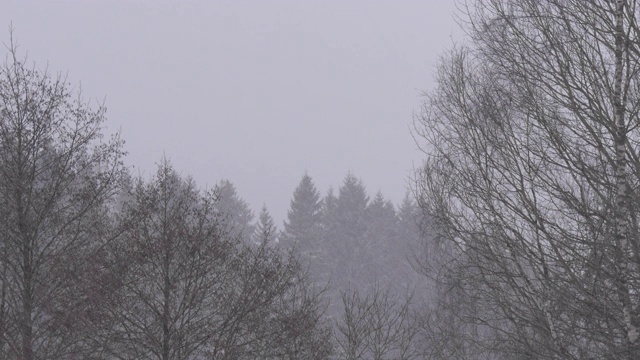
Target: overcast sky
point(257, 92)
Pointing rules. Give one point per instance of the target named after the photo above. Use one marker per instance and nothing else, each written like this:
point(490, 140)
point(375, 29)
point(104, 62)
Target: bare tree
point(174, 265)
point(531, 177)
point(57, 176)
point(273, 312)
point(188, 289)
point(378, 326)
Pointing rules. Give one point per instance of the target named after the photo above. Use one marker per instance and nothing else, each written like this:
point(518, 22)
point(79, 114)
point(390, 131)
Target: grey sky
point(253, 91)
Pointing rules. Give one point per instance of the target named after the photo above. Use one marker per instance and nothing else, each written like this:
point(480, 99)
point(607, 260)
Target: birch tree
point(532, 176)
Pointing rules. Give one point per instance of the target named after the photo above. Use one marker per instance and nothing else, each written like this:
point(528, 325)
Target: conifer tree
point(351, 208)
point(344, 225)
point(302, 227)
point(237, 214)
point(266, 230)
point(378, 256)
point(328, 215)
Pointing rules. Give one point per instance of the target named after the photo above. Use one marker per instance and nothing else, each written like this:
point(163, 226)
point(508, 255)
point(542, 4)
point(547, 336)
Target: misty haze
point(348, 180)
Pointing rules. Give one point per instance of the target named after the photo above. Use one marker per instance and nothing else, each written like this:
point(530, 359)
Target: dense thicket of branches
point(528, 202)
point(94, 264)
point(531, 180)
point(57, 177)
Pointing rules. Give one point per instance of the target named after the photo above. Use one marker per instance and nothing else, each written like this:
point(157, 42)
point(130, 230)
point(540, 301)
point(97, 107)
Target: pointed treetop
point(381, 207)
point(408, 209)
point(304, 215)
point(236, 212)
point(266, 231)
point(352, 195)
point(305, 204)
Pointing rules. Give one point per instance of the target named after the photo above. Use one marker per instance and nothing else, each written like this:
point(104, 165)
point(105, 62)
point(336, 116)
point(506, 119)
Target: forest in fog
point(98, 263)
point(518, 236)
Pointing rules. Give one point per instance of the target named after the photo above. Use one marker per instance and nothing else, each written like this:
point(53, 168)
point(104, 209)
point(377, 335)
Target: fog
point(257, 92)
point(259, 207)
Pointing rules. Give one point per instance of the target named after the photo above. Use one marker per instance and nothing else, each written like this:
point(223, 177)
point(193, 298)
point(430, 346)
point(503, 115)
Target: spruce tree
point(351, 208)
point(266, 231)
point(302, 227)
point(237, 214)
point(378, 254)
point(345, 227)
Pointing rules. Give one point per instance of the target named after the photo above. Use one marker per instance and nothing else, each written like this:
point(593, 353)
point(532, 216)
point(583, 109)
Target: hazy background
point(256, 92)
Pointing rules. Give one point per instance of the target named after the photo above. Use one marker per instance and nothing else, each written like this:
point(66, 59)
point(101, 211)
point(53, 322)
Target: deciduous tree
point(58, 175)
point(175, 265)
point(531, 176)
